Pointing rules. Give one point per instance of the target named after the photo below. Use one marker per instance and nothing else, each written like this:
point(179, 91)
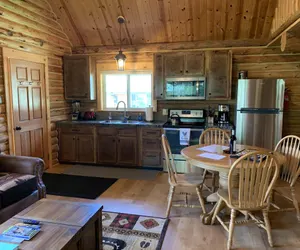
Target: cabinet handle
point(186, 71)
point(78, 139)
point(181, 71)
point(151, 156)
point(73, 138)
point(113, 140)
point(209, 93)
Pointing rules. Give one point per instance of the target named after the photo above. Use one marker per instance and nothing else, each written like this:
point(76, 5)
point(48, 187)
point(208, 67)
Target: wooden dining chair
point(288, 146)
point(258, 172)
point(180, 180)
point(213, 136)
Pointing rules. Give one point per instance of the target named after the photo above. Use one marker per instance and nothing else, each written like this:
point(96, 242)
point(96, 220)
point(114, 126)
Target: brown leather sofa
point(20, 184)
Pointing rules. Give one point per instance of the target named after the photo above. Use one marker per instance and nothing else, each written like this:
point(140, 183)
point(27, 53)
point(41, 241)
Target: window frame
point(127, 73)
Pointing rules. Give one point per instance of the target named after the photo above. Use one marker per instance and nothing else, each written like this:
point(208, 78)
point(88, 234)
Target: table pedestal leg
point(223, 184)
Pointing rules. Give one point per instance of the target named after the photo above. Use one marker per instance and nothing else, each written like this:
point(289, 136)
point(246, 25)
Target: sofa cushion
point(14, 187)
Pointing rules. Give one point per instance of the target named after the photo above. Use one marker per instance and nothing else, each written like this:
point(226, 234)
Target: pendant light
point(120, 58)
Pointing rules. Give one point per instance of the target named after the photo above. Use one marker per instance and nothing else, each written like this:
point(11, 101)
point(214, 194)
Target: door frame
point(21, 55)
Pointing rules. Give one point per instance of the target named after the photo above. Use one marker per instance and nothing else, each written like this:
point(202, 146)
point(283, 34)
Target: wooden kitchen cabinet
point(150, 154)
point(67, 147)
point(86, 148)
point(174, 64)
point(158, 77)
point(80, 78)
point(107, 149)
point(219, 75)
point(127, 151)
point(194, 64)
point(117, 146)
point(77, 144)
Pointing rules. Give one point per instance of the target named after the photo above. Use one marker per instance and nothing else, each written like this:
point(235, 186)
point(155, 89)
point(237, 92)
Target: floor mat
point(76, 186)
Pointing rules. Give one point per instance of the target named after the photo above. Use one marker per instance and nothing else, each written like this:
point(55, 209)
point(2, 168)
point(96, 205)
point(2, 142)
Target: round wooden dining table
point(193, 157)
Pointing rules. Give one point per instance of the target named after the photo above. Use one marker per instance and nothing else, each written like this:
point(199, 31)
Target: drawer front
point(153, 133)
point(106, 131)
point(127, 131)
point(78, 129)
point(151, 159)
point(151, 144)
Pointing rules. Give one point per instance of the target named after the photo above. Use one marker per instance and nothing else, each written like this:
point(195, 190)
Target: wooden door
point(29, 108)
point(174, 65)
point(194, 64)
point(67, 147)
point(86, 149)
point(107, 149)
point(127, 151)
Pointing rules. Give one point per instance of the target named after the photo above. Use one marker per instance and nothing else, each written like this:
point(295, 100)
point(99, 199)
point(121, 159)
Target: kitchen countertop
point(156, 124)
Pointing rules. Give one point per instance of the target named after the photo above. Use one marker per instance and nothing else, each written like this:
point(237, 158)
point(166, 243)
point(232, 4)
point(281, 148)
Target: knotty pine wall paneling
point(32, 26)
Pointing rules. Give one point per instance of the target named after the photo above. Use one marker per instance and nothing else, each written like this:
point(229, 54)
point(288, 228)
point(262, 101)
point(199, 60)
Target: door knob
point(18, 128)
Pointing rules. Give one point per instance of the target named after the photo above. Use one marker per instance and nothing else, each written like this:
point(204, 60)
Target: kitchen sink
point(120, 122)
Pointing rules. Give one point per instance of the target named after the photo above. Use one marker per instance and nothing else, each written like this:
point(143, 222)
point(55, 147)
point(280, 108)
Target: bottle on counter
point(232, 143)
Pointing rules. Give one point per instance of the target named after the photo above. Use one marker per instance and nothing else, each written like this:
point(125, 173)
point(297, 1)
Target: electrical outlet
point(165, 111)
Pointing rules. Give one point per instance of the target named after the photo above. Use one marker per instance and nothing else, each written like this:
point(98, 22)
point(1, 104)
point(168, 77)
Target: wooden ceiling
point(94, 22)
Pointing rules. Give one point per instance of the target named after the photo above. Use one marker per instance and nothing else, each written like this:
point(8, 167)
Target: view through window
point(134, 89)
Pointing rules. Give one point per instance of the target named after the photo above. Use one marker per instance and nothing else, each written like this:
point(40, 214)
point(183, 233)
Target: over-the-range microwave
point(185, 88)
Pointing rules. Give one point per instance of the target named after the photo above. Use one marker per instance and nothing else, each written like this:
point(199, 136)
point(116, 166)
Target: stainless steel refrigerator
point(260, 112)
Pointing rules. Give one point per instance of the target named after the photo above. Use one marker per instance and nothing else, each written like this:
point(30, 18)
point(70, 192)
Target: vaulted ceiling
point(94, 22)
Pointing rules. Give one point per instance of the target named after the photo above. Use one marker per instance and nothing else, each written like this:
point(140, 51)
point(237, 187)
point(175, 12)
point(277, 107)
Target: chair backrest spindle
point(214, 136)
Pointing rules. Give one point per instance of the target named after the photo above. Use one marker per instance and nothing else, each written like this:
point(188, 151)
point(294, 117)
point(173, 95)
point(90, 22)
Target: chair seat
point(281, 183)
point(14, 187)
point(189, 180)
point(235, 195)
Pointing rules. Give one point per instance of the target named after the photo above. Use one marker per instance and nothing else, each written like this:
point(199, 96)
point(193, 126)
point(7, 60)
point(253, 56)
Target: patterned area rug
point(134, 232)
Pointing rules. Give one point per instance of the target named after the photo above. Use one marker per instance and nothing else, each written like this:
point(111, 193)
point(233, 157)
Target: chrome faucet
point(125, 114)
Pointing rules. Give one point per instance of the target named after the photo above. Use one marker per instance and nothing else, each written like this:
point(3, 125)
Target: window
point(133, 89)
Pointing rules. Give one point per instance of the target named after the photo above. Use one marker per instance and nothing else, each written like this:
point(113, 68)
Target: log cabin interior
point(150, 124)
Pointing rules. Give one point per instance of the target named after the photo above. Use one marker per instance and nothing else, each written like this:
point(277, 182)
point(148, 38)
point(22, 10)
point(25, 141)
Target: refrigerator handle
point(259, 111)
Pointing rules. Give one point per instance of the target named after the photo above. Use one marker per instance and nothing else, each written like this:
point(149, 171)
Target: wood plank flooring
point(185, 231)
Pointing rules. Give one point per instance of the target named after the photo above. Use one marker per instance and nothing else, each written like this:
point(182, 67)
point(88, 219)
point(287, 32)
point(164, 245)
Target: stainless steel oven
point(185, 88)
point(194, 121)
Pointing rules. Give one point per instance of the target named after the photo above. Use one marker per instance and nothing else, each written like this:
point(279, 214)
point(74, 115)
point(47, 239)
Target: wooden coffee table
point(65, 225)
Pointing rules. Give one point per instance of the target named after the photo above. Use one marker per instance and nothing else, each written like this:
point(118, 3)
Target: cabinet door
point(174, 65)
point(127, 151)
point(67, 147)
point(76, 77)
point(219, 74)
point(194, 64)
point(86, 148)
point(158, 77)
point(107, 149)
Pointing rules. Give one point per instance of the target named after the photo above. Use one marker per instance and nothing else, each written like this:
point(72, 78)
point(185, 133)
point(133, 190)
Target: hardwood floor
point(185, 229)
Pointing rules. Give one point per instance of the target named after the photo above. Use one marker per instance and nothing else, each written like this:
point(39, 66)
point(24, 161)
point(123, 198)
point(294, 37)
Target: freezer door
point(260, 93)
point(259, 129)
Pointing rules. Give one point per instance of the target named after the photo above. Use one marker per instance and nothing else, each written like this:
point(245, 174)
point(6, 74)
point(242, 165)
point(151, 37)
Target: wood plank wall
point(32, 26)
point(286, 12)
point(260, 63)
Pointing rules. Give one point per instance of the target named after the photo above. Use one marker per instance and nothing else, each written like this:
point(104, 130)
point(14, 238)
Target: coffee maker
point(76, 110)
point(223, 114)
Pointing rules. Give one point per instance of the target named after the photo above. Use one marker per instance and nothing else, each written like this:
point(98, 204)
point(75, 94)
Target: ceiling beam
point(169, 47)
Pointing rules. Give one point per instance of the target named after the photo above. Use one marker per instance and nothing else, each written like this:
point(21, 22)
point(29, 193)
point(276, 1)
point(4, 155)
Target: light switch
point(165, 111)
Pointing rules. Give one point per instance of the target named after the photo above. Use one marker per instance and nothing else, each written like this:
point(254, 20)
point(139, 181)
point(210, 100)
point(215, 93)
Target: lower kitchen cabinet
point(77, 145)
point(150, 146)
point(127, 147)
point(106, 149)
point(86, 148)
point(67, 147)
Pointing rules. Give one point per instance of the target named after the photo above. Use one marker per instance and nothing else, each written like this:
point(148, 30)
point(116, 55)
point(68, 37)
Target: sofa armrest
point(25, 165)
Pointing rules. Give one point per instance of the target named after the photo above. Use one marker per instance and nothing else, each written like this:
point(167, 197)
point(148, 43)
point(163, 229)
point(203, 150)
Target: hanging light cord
point(120, 37)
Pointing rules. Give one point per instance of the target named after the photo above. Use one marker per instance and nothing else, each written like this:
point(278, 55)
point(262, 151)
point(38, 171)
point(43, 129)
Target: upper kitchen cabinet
point(158, 76)
point(174, 64)
point(218, 75)
point(194, 64)
point(184, 64)
point(80, 78)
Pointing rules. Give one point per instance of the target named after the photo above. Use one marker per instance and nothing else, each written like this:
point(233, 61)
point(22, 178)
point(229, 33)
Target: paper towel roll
point(149, 114)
